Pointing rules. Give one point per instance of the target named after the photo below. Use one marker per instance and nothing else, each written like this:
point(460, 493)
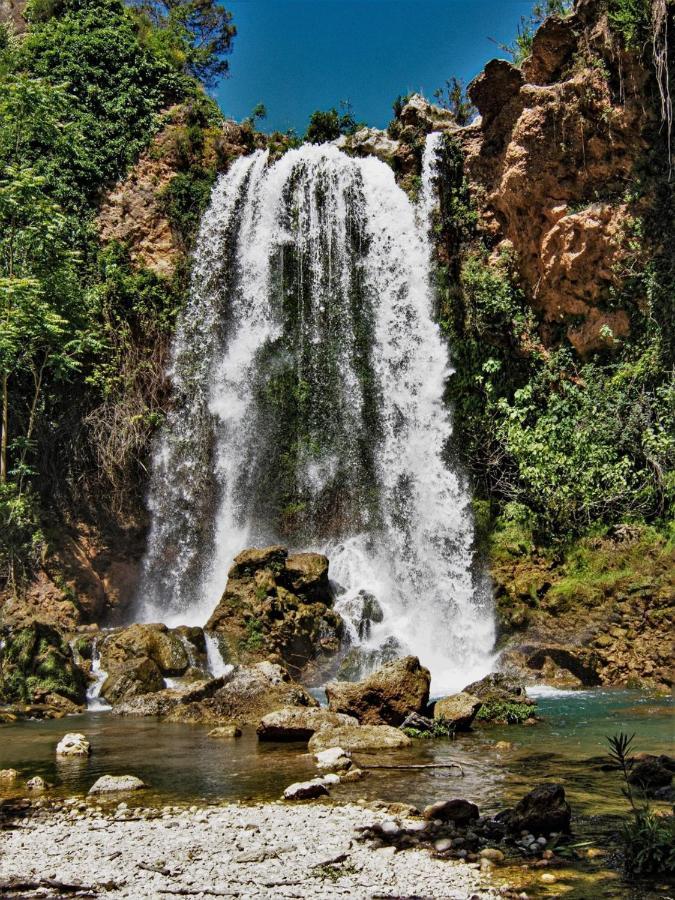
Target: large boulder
point(37, 666)
point(154, 642)
point(458, 710)
point(359, 737)
point(139, 676)
point(541, 812)
point(278, 607)
point(387, 696)
point(299, 723)
point(245, 695)
point(498, 686)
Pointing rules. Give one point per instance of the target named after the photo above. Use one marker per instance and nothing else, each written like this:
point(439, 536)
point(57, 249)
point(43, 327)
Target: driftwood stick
point(61, 886)
point(451, 765)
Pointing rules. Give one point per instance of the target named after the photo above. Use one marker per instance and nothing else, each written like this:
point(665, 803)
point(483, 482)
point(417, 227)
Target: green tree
point(202, 29)
point(453, 96)
point(327, 125)
point(42, 326)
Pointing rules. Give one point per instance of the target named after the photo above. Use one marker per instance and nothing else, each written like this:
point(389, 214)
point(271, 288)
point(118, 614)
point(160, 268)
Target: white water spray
point(309, 375)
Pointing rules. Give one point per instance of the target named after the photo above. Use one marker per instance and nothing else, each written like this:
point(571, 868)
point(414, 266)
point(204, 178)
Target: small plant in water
point(648, 838)
point(441, 728)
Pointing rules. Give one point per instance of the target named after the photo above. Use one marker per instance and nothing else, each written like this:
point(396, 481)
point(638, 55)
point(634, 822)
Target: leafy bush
point(442, 728)
point(330, 124)
point(504, 711)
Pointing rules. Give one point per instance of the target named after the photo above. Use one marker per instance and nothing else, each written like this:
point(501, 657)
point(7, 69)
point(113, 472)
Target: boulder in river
point(458, 710)
point(543, 811)
point(387, 696)
point(73, 744)
point(109, 784)
point(359, 737)
point(334, 759)
point(245, 695)
point(8, 776)
point(296, 723)
point(278, 607)
point(306, 790)
point(155, 642)
point(36, 784)
point(653, 774)
point(225, 731)
point(457, 810)
point(139, 676)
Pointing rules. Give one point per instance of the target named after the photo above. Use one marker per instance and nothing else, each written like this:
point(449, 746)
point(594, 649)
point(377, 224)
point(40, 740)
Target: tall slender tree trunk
point(5, 429)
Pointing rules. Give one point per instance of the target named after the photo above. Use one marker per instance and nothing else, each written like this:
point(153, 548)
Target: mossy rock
point(37, 661)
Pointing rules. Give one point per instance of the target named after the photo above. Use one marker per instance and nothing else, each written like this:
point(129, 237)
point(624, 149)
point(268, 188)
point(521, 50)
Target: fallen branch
point(188, 892)
point(416, 766)
point(62, 887)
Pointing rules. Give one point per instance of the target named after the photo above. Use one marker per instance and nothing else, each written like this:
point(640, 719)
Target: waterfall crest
point(308, 377)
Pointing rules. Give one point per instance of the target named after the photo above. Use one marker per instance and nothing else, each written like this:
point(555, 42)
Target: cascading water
point(308, 379)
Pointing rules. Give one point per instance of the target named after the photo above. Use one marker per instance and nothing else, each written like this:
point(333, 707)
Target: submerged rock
point(108, 784)
point(359, 737)
point(385, 697)
point(458, 710)
point(299, 724)
point(73, 744)
point(225, 731)
point(278, 606)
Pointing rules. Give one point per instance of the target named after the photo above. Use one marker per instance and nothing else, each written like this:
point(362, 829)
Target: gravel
point(263, 850)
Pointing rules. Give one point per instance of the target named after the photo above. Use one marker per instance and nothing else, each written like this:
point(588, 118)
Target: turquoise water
point(181, 764)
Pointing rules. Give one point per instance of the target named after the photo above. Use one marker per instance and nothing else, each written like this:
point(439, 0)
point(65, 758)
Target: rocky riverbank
point(262, 850)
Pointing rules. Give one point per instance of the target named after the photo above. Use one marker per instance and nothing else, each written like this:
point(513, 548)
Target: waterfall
point(308, 378)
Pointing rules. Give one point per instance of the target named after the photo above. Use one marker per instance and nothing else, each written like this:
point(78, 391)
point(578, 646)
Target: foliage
point(648, 839)
point(520, 49)
point(512, 713)
point(115, 84)
point(327, 125)
point(22, 538)
point(81, 95)
point(575, 442)
point(453, 96)
point(200, 32)
point(632, 20)
point(441, 728)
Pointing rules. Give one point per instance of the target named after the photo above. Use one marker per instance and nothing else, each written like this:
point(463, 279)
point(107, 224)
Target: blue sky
point(296, 56)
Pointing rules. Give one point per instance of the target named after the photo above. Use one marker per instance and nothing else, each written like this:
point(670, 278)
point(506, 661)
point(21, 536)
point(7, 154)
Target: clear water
point(312, 281)
point(181, 764)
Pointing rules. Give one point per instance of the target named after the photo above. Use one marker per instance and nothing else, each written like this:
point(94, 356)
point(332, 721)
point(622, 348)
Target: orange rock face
point(548, 164)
